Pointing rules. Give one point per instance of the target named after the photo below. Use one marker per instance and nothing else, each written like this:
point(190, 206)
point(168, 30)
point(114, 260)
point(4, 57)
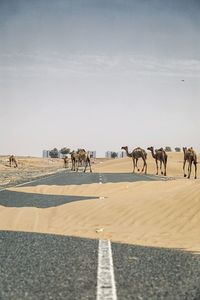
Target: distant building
point(121, 154)
point(92, 154)
point(108, 154)
point(45, 153)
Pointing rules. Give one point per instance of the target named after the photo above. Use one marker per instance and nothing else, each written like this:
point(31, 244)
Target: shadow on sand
point(20, 199)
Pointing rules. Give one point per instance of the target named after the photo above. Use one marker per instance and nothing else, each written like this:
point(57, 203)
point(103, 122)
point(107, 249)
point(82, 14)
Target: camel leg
point(156, 167)
point(161, 171)
point(189, 169)
point(86, 164)
point(76, 165)
point(137, 165)
point(90, 165)
point(184, 168)
point(165, 169)
point(73, 167)
point(144, 166)
point(133, 165)
point(195, 167)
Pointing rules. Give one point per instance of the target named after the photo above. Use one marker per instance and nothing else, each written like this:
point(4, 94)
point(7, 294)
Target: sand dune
point(161, 214)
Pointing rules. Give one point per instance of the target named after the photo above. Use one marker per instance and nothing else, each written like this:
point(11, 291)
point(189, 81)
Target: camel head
point(150, 148)
point(184, 149)
point(73, 154)
point(124, 148)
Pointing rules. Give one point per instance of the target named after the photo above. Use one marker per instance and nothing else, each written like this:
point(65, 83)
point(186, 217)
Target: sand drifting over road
point(28, 169)
point(159, 214)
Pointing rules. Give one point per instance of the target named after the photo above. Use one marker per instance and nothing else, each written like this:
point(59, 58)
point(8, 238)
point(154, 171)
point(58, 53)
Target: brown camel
point(161, 156)
point(191, 157)
point(12, 160)
point(135, 155)
point(80, 157)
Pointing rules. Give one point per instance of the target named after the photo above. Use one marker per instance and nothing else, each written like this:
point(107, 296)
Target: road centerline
point(106, 288)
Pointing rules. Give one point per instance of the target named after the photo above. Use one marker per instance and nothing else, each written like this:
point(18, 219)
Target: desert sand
point(29, 168)
point(164, 213)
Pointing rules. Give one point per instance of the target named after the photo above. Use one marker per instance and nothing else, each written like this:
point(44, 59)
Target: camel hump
point(160, 149)
point(191, 151)
point(81, 150)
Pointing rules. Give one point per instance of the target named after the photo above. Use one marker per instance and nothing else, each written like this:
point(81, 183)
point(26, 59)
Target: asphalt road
point(45, 266)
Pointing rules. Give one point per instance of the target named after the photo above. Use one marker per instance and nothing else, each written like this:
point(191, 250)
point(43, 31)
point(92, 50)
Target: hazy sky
point(99, 74)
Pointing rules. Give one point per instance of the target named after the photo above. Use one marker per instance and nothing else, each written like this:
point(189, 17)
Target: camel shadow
point(20, 199)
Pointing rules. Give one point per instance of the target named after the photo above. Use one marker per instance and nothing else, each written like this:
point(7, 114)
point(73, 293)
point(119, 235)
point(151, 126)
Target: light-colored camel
point(84, 157)
point(66, 161)
point(161, 156)
point(135, 155)
point(191, 157)
point(78, 158)
point(13, 161)
point(74, 160)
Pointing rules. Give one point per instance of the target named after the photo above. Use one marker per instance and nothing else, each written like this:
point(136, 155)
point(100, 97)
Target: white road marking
point(106, 289)
point(100, 179)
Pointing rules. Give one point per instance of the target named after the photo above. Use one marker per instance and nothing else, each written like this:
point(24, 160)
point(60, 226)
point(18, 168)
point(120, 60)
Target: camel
point(191, 157)
point(74, 159)
point(135, 155)
point(79, 157)
point(12, 160)
point(66, 161)
point(161, 156)
point(84, 157)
